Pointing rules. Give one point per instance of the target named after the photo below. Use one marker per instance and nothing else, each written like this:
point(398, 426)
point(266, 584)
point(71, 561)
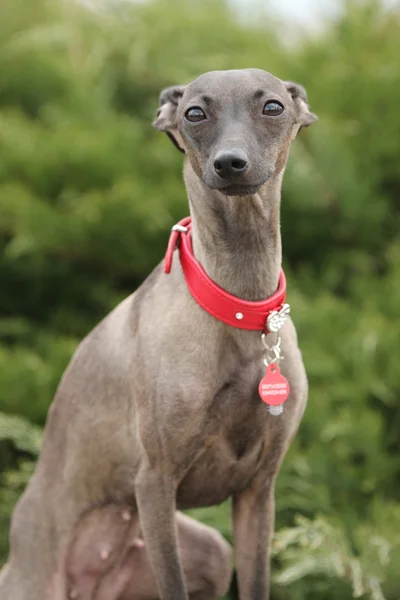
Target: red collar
point(216, 301)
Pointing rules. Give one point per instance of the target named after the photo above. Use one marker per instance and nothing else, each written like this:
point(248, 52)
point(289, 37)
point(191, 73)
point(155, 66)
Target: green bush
point(88, 192)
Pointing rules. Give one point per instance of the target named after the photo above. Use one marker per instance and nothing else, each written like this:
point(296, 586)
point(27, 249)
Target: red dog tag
point(274, 388)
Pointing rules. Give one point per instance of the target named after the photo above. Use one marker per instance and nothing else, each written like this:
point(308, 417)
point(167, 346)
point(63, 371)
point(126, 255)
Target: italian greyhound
point(159, 409)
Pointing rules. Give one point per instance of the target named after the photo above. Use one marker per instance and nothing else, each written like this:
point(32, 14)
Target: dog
point(159, 409)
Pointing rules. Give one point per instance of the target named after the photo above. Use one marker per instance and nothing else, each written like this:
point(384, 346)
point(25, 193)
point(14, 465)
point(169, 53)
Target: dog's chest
point(233, 449)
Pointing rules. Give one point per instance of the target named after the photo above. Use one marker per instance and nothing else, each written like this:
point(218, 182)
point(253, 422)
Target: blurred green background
point(88, 192)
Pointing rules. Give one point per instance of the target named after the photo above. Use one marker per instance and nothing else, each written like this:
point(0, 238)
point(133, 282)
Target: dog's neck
point(237, 238)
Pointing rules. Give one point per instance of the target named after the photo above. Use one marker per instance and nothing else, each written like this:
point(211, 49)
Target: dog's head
point(234, 126)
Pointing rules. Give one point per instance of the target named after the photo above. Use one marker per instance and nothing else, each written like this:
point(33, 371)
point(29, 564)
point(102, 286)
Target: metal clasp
point(277, 318)
point(272, 354)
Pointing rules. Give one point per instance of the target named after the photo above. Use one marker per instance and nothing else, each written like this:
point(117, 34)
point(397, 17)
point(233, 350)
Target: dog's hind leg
point(206, 561)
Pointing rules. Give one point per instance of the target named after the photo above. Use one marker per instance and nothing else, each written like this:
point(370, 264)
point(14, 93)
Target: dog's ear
point(299, 96)
point(166, 114)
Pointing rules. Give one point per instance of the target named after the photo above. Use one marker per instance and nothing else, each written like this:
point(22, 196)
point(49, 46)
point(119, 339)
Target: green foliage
point(323, 549)
point(24, 436)
point(88, 192)
point(19, 447)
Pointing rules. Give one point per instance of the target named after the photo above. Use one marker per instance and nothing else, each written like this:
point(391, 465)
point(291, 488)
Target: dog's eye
point(195, 114)
point(273, 108)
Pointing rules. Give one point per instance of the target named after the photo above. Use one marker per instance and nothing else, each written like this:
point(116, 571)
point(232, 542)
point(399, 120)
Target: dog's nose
point(229, 163)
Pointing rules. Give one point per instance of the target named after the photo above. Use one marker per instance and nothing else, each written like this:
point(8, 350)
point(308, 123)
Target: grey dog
point(158, 410)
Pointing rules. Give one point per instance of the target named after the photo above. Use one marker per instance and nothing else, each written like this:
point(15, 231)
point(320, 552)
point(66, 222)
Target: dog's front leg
point(253, 527)
point(155, 497)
